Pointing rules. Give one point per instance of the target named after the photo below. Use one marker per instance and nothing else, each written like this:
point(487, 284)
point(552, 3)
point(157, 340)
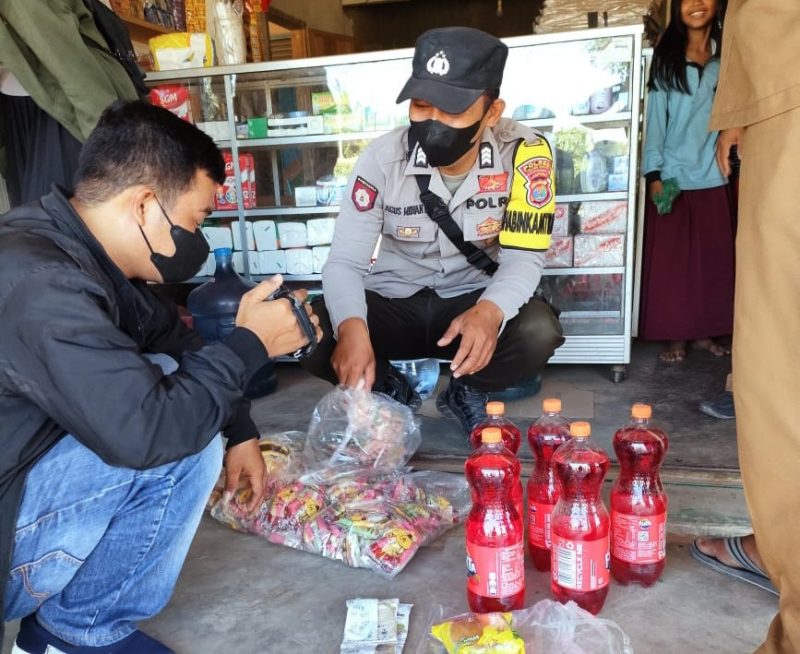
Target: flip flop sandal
point(749, 572)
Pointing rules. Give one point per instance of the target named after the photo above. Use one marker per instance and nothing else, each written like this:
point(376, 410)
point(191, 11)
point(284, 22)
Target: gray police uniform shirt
point(382, 201)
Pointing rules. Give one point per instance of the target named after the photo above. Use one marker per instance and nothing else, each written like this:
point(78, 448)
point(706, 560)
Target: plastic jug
point(213, 306)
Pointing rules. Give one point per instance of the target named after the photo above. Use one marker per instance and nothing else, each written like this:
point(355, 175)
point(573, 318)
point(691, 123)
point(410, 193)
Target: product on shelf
point(181, 50)
point(251, 200)
point(252, 260)
point(560, 253)
point(299, 261)
point(320, 255)
point(592, 250)
point(603, 217)
point(330, 190)
point(333, 123)
point(320, 230)
point(216, 129)
point(292, 234)
point(257, 127)
point(594, 177)
point(322, 103)
point(305, 196)
point(229, 38)
point(237, 236)
point(218, 237)
point(227, 193)
point(195, 15)
point(175, 98)
point(617, 183)
point(265, 234)
point(561, 219)
point(272, 262)
point(293, 124)
point(600, 101)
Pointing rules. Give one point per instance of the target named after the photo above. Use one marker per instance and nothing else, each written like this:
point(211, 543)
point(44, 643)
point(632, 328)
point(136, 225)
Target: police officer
point(427, 295)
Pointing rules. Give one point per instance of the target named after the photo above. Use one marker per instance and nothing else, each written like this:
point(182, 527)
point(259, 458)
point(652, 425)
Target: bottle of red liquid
point(580, 555)
point(546, 434)
point(495, 417)
point(495, 535)
point(638, 502)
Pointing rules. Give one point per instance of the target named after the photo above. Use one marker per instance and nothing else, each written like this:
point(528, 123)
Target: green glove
point(666, 198)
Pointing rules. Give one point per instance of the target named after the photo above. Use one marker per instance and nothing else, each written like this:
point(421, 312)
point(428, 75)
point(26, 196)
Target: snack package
point(603, 217)
point(175, 98)
point(559, 255)
point(545, 627)
point(181, 50)
point(561, 219)
point(592, 250)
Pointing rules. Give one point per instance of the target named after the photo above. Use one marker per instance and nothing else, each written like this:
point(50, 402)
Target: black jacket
point(72, 333)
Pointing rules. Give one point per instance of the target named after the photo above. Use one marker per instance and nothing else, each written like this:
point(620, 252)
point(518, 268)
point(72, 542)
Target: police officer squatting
point(463, 204)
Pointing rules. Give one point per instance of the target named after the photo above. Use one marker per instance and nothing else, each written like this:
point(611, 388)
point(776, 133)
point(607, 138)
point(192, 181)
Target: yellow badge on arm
point(528, 221)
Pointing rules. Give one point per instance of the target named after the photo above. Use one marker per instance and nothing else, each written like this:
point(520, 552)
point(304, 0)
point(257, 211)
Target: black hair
point(491, 95)
point(137, 143)
point(668, 70)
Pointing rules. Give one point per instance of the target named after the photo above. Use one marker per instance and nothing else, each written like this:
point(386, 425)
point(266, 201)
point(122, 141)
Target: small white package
point(293, 234)
point(603, 217)
point(560, 253)
point(592, 250)
point(375, 626)
point(299, 261)
point(561, 219)
point(252, 259)
point(320, 256)
point(237, 236)
point(218, 237)
point(272, 262)
point(305, 196)
point(265, 234)
point(320, 231)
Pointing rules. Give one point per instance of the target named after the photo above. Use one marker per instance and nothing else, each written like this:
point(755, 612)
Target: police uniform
point(420, 281)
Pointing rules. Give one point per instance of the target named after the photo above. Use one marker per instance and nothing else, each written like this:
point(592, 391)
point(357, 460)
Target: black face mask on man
point(191, 252)
point(443, 144)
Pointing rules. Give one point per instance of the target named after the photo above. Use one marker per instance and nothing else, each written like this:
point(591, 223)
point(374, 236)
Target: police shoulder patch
point(364, 194)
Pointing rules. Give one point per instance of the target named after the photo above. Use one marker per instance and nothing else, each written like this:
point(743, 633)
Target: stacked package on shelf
point(601, 238)
point(561, 245)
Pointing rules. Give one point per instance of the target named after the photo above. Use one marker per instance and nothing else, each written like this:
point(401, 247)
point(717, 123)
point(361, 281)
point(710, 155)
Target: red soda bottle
point(495, 417)
point(638, 502)
point(495, 536)
point(544, 436)
point(580, 555)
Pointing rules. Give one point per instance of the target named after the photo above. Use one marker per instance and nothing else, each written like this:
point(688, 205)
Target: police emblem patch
point(364, 194)
point(493, 183)
point(536, 172)
point(438, 64)
point(488, 227)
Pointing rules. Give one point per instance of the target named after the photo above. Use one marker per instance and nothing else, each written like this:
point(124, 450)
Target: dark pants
point(408, 328)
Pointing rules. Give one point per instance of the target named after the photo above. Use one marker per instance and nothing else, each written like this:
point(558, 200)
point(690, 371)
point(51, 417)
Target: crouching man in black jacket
point(107, 460)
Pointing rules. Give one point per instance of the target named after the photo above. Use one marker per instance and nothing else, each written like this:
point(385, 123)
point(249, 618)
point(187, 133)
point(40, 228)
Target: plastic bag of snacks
point(547, 626)
point(354, 430)
point(181, 50)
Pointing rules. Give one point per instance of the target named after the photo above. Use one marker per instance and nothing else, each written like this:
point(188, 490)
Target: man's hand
point(478, 327)
point(353, 357)
point(725, 141)
point(656, 188)
point(273, 322)
point(244, 461)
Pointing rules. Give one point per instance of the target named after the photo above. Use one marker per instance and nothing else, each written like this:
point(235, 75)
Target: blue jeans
point(99, 548)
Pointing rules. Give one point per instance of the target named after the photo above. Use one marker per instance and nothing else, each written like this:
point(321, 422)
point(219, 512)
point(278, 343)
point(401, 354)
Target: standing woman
point(688, 265)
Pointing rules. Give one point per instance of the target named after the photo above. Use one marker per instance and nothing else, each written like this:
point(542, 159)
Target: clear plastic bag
point(547, 626)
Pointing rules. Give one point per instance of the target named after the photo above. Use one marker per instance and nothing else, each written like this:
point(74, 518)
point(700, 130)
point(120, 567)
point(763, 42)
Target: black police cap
point(454, 66)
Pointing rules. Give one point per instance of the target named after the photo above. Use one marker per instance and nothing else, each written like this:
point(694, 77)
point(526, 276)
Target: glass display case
point(292, 131)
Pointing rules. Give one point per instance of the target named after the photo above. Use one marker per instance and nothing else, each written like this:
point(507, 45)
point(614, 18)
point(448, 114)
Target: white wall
point(324, 15)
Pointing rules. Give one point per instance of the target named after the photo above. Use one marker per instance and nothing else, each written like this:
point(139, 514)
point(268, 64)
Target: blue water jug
point(213, 306)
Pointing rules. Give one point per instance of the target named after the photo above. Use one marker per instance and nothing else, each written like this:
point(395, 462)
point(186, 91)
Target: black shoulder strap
point(439, 213)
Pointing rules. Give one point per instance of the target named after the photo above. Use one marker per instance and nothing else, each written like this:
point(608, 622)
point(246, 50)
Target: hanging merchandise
point(638, 501)
point(580, 528)
point(545, 436)
point(229, 38)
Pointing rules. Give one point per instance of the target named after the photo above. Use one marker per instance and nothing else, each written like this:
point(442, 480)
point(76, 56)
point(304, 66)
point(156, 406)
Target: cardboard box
point(292, 234)
point(596, 250)
point(218, 237)
point(603, 217)
point(237, 236)
point(299, 261)
point(560, 253)
point(266, 235)
point(272, 262)
point(561, 221)
point(320, 256)
point(320, 231)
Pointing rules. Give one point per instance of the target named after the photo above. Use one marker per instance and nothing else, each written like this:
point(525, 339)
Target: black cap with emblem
point(454, 66)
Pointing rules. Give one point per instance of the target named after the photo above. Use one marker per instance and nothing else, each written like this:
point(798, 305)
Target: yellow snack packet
point(489, 633)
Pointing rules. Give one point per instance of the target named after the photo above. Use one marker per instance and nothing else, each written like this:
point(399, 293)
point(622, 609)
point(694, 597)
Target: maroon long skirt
point(688, 268)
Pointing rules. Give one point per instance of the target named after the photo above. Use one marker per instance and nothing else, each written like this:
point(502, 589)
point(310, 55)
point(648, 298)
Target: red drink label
point(539, 518)
point(639, 539)
point(580, 564)
point(495, 571)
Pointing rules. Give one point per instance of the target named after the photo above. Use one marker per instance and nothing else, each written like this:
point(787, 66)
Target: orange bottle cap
point(491, 435)
point(641, 411)
point(495, 408)
point(580, 430)
point(551, 405)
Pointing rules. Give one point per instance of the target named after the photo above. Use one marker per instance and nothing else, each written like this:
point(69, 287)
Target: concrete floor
point(240, 594)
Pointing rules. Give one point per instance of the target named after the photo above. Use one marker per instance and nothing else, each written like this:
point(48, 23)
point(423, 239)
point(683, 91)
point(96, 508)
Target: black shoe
point(463, 403)
point(720, 407)
point(396, 386)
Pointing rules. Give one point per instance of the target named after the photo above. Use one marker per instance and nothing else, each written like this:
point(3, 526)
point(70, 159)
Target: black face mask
point(442, 144)
point(191, 252)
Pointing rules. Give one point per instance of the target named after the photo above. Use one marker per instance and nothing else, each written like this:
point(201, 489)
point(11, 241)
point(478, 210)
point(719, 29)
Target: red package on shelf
point(175, 98)
point(225, 199)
